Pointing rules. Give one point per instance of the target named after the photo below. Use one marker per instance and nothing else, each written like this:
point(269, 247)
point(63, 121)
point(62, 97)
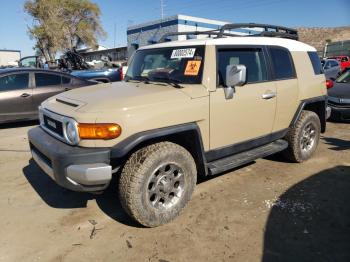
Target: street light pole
point(162, 9)
point(115, 34)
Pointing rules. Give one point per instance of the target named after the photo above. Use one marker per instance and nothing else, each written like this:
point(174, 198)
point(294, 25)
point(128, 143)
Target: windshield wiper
point(171, 81)
point(143, 79)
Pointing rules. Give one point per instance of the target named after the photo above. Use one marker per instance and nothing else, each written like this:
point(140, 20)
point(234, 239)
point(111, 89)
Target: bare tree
point(63, 24)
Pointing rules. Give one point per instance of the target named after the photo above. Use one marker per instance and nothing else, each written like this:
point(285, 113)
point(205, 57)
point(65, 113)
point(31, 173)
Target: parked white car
point(331, 68)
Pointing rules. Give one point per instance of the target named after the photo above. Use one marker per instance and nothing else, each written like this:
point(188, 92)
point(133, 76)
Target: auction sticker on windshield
point(183, 53)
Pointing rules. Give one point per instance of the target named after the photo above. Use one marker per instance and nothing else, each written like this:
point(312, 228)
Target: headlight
point(41, 116)
point(99, 131)
point(72, 132)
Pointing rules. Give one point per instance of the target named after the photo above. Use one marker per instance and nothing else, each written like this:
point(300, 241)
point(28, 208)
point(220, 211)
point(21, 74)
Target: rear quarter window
point(316, 63)
point(282, 63)
point(44, 80)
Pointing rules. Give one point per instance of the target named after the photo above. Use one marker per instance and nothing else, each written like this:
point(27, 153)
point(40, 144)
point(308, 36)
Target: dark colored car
point(100, 75)
point(22, 90)
point(339, 97)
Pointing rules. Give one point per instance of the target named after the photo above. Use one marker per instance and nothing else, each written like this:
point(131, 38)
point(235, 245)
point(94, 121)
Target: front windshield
point(344, 78)
point(183, 65)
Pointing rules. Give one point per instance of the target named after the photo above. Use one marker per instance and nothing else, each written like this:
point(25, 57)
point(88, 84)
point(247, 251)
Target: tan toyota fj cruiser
point(186, 109)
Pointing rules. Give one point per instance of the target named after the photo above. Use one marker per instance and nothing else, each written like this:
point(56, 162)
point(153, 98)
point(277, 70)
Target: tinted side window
point(65, 80)
point(14, 82)
point(334, 64)
point(316, 63)
point(42, 80)
point(253, 59)
point(282, 63)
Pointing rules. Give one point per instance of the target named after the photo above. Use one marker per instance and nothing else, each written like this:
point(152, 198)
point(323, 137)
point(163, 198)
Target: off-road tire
point(294, 151)
point(135, 178)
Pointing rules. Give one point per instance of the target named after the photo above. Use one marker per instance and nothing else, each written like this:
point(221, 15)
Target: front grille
point(41, 155)
point(53, 125)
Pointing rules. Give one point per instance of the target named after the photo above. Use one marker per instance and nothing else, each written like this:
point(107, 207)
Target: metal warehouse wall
point(151, 32)
point(7, 56)
point(338, 48)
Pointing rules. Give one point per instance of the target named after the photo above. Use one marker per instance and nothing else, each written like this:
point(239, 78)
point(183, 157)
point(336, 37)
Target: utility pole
point(162, 9)
point(115, 34)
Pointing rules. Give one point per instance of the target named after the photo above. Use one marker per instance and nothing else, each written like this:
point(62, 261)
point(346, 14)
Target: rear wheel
point(303, 138)
point(157, 182)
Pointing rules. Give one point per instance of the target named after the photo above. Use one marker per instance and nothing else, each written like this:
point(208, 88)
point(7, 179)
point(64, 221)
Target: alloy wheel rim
point(166, 186)
point(308, 137)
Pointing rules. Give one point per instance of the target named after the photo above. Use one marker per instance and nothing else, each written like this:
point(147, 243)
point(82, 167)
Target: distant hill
point(318, 36)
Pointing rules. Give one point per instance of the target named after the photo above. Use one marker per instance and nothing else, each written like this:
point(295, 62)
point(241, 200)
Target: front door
point(16, 97)
point(250, 114)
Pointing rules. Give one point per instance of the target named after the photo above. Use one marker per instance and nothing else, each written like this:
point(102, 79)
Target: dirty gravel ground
point(269, 210)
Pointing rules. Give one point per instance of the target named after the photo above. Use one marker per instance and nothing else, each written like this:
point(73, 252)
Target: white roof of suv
point(291, 45)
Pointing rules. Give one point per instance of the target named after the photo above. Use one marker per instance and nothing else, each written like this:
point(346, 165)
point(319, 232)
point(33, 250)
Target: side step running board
point(234, 161)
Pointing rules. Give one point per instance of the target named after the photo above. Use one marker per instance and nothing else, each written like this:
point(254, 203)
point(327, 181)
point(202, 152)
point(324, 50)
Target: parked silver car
point(22, 90)
point(331, 68)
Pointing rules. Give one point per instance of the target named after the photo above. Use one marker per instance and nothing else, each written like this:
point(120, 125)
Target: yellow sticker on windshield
point(192, 68)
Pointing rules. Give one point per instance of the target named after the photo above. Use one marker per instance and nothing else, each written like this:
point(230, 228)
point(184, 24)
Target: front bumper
point(75, 168)
point(328, 112)
point(340, 113)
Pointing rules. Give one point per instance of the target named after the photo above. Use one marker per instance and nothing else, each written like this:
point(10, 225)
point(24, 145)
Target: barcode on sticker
point(183, 53)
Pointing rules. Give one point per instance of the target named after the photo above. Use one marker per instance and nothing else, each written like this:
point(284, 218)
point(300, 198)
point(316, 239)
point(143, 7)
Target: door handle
point(269, 95)
point(25, 95)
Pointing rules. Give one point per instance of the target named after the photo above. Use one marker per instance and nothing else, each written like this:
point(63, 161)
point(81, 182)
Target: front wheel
point(303, 138)
point(157, 182)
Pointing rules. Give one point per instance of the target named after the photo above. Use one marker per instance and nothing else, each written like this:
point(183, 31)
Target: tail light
point(121, 75)
point(329, 84)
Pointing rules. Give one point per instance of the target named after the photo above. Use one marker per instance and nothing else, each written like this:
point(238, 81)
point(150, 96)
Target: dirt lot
point(269, 210)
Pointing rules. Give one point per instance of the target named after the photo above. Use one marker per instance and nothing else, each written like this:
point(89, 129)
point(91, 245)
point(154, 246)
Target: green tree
point(63, 24)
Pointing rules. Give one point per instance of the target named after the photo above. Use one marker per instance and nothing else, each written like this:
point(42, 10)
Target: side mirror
point(236, 75)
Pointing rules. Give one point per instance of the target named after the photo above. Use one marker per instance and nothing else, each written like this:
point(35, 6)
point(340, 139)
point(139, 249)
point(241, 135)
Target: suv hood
point(120, 95)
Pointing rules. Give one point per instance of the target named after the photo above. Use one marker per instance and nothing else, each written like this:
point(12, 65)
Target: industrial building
point(337, 48)
point(9, 57)
point(150, 32)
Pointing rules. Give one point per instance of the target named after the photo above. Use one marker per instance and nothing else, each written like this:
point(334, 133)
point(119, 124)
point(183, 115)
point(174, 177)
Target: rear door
point(16, 97)
point(285, 78)
point(46, 85)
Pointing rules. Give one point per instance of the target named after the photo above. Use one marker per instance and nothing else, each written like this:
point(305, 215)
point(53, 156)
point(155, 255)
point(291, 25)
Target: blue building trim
point(171, 23)
point(10, 50)
point(181, 22)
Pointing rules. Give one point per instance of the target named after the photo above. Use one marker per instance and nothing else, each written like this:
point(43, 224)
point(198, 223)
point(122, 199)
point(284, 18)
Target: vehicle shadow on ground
point(19, 124)
point(336, 144)
point(311, 220)
point(61, 198)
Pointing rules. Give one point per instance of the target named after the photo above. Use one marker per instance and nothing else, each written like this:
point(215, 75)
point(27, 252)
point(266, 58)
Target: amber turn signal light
point(99, 131)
